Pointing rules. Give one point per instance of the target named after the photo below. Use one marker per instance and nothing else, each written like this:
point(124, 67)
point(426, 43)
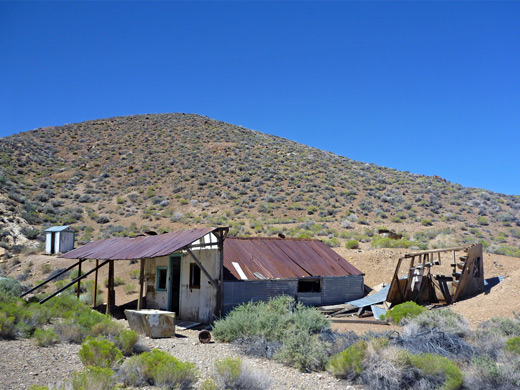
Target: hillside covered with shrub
point(125, 175)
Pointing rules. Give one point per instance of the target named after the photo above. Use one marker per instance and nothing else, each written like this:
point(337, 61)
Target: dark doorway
point(53, 243)
point(174, 286)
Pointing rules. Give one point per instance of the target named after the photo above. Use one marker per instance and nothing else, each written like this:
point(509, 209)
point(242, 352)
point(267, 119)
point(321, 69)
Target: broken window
point(194, 276)
point(162, 276)
point(311, 285)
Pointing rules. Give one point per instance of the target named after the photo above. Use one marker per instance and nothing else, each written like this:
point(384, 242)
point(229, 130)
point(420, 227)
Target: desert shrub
point(30, 233)
point(305, 351)
point(352, 244)
point(99, 353)
point(93, 378)
point(10, 286)
point(444, 319)
point(232, 374)
point(126, 341)
point(45, 337)
point(134, 274)
point(433, 366)
point(408, 309)
point(272, 324)
point(349, 363)
point(513, 345)
point(505, 327)
point(46, 268)
point(386, 242)
point(486, 372)
point(159, 368)
point(130, 288)
point(209, 384)
point(7, 326)
point(117, 281)
point(88, 297)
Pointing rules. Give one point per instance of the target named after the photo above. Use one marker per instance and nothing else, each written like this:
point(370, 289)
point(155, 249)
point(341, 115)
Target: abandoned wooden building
point(201, 274)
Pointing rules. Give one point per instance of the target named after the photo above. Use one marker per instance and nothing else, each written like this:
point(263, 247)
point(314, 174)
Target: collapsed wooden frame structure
point(423, 285)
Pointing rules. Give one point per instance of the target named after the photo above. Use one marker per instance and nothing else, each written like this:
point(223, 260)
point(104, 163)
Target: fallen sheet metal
point(377, 311)
point(374, 299)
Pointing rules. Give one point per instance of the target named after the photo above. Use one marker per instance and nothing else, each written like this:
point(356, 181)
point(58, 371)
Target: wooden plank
point(141, 284)
point(110, 290)
point(78, 290)
point(457, 248)
point(356, 321)
point(95, 284)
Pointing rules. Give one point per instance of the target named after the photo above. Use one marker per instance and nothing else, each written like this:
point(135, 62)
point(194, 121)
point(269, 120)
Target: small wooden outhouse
point(59, 239)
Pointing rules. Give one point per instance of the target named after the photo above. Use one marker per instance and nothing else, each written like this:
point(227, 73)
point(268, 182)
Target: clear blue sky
point(425, 87)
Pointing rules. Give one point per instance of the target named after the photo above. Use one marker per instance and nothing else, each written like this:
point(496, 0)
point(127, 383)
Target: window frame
point(157, 279)
point(192, 276)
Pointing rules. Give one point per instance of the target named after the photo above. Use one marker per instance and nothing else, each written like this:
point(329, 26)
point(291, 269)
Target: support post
point(141, 283)
point(95, 284)
point(78, 290)
point(110, 292)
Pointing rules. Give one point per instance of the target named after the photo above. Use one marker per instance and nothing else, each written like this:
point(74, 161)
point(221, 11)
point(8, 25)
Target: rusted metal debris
point(424, 285)
point(123, 248)
point(277, 258)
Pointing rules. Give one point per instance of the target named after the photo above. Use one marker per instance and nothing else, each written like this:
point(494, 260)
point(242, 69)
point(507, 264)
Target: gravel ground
point(23, 364)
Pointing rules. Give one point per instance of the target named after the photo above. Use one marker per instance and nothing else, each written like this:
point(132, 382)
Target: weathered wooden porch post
point(141, 284)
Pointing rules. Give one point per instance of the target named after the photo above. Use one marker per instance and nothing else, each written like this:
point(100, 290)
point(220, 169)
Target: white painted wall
point(197, 304)
point(66, 241)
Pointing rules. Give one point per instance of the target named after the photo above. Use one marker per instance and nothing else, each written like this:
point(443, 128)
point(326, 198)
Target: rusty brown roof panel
point(139, 247)
point(283, 258)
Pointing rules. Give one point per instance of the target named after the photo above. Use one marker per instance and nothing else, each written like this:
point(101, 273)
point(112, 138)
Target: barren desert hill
point(125, 175)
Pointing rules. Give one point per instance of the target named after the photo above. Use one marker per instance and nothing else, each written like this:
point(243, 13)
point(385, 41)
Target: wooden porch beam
point(211, 280)
point(141, 283)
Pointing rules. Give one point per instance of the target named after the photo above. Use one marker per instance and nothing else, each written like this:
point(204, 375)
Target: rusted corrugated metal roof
point(146, 247)
point(276, 258)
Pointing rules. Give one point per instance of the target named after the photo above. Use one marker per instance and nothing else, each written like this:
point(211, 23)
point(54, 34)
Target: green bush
point(159, 368)
point(233, 375)
point(126, 341)
point(432, 365)
point(10, 286)
point(117, 281)
point(99, 353)
point(444, 319)
point(305, 351)
point(349, 363)
point(352, 244)
point(513, 345)
point(404, 310)
point(387, 242)
point(47, 337)
point(280, 320)
point(7, 326)
point(93, 378)
point(130, 288)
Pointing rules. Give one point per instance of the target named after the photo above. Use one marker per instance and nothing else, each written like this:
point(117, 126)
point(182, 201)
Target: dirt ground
point(378, 265)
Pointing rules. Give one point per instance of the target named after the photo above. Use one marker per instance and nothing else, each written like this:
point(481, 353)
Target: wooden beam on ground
point(354, 321)
point(141, 284)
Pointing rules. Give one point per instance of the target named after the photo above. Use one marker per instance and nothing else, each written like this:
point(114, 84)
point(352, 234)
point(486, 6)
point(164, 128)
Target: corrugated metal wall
point(334, 290)
point(339, 289)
